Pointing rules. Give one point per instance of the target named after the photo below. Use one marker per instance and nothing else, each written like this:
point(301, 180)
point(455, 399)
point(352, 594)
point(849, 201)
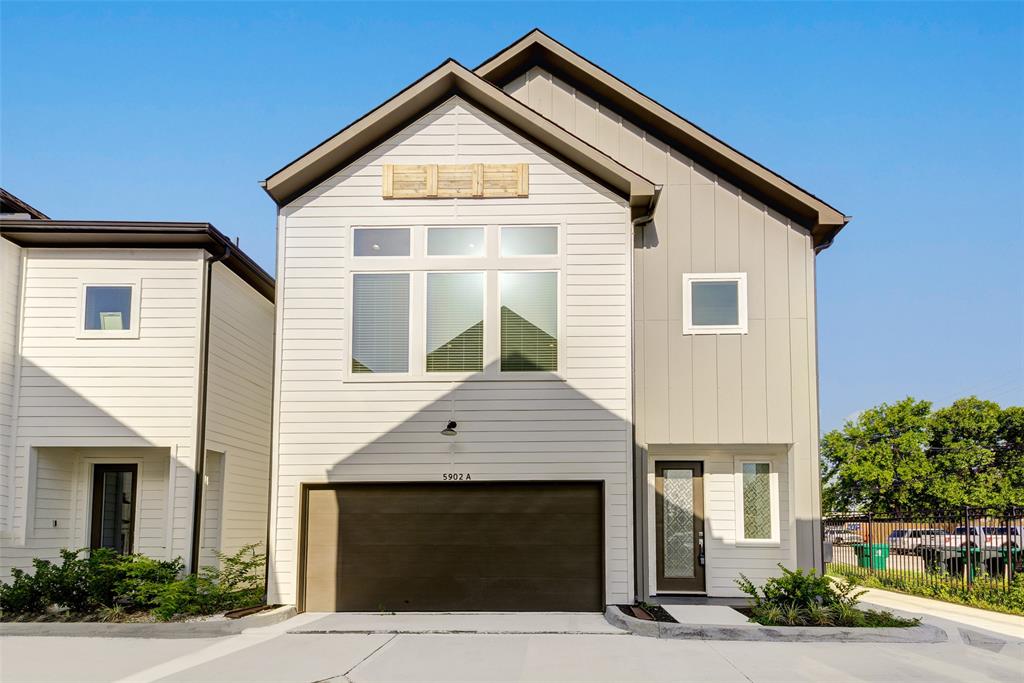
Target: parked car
point(975, 536)
point(996, 537)
point(842, 537)
point(913, 540)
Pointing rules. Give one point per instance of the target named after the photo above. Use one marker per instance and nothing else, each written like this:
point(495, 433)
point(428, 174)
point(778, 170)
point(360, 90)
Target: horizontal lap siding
point(89, 392)
point(330, 430)
point(10, 290)
point(239, 404)
point(757, 388)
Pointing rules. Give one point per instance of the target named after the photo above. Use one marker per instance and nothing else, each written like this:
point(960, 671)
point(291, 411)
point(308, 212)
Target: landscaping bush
point(983, 594)
point(799, 598)
point(112, 587)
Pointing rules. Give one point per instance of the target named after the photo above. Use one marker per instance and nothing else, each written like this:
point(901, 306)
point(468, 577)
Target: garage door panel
point(466, 529)
point(460, 561)
point(465, 546)
point(425, 595)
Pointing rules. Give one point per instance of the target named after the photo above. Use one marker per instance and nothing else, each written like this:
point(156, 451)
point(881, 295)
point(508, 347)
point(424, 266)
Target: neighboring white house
point(541, 345)
point(125, 349)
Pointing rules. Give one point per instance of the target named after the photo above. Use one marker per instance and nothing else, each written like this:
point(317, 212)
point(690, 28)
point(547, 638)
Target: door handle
point(700, 548)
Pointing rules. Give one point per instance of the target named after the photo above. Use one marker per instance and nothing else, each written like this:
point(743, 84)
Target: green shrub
point(983, 594)
point(112, 586)
point(799, 598)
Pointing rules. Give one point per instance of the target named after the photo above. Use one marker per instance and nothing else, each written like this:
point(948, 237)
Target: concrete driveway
point(274, 654)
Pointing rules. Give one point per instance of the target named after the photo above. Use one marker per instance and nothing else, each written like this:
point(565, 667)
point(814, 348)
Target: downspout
point(204, 377)
point(639, 481)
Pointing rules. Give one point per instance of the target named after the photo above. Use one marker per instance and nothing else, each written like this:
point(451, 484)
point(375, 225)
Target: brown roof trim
point(21, 205)
point(537, 48)
point(451, 78)
point(138, 235)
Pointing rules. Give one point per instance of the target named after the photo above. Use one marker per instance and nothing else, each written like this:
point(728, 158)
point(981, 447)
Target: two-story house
point(126, 349)
point(542, 344)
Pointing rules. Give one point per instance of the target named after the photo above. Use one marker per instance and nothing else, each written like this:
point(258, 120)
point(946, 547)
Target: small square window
point(529, 241)
point(455, 241)
point(715, 303)
point(108, 308)
point(380, 242)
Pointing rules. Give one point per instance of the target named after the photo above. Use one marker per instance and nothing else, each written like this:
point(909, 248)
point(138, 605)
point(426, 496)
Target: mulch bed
point(648, 612)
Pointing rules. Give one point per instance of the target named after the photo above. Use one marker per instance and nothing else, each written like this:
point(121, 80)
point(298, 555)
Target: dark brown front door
point(473, 546)
point(679, 525)
point(113, 507)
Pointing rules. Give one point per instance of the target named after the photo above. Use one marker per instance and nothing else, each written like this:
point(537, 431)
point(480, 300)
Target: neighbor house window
point(455, 322)
point(110, 310)
point(380, 242)
point(714, 303)
point(757, 503)
point(380, 323)
point(529, 322)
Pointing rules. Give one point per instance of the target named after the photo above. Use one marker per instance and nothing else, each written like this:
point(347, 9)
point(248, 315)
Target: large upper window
point(714, 303)
point(465, 300)
point(380, 322)
point(109, 310)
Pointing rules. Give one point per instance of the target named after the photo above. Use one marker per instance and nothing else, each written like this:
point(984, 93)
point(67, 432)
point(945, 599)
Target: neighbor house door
point(679, 525)
point(113, 507)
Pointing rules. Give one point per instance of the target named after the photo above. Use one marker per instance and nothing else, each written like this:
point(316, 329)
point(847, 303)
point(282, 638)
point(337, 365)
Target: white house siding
point(757, 388)
point(239, 404)
point(10, 295)
point(107, 393)
point(331, 430)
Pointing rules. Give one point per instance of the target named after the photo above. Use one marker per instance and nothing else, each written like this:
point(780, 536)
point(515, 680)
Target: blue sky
point(910, 117)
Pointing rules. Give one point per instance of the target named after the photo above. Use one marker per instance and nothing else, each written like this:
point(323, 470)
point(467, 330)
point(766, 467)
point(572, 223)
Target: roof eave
point(449, 79)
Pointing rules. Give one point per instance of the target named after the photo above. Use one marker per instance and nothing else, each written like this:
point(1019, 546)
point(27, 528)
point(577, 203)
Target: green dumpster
point(872, 555)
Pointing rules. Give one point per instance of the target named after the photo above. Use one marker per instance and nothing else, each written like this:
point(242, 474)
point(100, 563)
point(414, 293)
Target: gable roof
point(448, 79)
point(536, 48)
point(11, 204)
point(138, 235)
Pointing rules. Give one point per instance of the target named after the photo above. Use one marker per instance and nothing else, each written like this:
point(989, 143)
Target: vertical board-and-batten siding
point(100, 393)
point(239, 403)
point(332, 430)
point(757, 388)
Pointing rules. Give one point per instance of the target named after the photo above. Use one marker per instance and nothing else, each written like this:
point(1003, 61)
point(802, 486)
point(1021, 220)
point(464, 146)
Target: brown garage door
point(523, 546)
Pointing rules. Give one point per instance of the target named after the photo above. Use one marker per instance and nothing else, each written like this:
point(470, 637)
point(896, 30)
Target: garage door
point(522, 546)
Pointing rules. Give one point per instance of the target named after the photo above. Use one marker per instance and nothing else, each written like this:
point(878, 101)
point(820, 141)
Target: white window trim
point(419, 264)
point(773, 479)
point(741, 292)
point(136, 309)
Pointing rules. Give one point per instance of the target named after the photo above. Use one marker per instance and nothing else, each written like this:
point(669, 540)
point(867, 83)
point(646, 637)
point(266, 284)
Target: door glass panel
point(678, 523)
point(116, 511)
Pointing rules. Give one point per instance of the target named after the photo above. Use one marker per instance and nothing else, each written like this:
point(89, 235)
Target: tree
point(878, 462)
point(905, 458)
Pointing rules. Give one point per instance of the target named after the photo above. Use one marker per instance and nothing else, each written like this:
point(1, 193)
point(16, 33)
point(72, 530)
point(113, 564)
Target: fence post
point(871, 546)
point(968, 579)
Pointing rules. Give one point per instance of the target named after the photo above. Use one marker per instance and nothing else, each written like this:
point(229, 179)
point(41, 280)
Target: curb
point(923, 633)
point(178, 629)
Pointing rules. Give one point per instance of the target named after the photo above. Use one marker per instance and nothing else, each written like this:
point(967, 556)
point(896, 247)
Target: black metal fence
point(964, 549)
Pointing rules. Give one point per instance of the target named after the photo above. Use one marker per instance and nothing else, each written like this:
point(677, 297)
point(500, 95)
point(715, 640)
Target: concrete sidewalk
point(960, 615)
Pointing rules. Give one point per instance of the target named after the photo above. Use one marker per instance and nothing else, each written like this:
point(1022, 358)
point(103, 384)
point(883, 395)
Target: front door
point(679, 525)
point(113, 507)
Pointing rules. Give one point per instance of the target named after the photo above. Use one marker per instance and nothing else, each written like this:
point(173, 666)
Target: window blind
point(455, 322)
point(380, 322)
point(529, 322)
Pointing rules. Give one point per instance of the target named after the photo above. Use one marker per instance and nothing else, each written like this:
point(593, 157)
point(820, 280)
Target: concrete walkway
point(960, 615)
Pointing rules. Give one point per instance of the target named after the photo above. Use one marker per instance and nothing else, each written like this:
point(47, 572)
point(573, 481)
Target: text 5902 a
point(456, 476)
